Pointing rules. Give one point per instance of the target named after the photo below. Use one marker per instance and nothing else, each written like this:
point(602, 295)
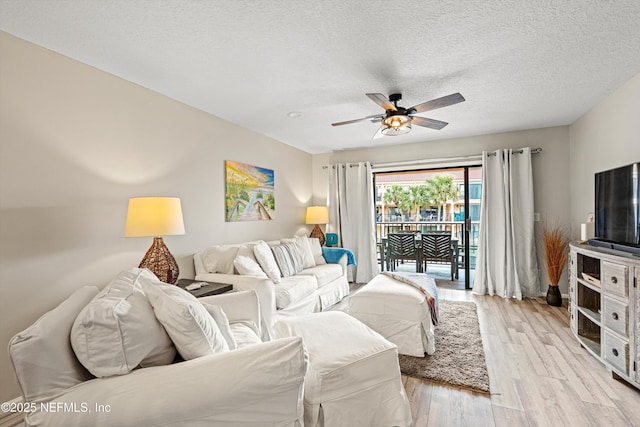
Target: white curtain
point(507, 265)
point(352, 216)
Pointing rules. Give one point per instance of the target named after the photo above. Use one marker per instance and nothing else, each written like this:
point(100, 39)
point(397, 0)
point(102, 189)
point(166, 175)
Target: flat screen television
point(617, 209)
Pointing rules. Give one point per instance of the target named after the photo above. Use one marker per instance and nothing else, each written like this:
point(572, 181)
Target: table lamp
point(317, 215)
point(156, 216)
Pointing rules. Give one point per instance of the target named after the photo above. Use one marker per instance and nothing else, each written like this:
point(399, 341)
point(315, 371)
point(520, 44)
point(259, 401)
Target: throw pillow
point(190, 326)
point(222, 321)
point(316, 249)
point(219, 259)
point(118, 331)
point(302, 243)
point(247, 250)
point(248, 267)
point(267, 261)
point(288, 258)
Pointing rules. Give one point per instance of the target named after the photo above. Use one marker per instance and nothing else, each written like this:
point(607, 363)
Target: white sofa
point(232, 387)
point(311, 290)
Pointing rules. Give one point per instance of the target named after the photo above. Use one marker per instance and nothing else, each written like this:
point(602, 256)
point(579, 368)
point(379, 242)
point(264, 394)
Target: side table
point(208, 288)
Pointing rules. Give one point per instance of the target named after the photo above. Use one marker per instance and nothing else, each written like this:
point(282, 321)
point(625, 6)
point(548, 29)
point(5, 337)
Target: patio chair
point(437, 249)
point(402, 247)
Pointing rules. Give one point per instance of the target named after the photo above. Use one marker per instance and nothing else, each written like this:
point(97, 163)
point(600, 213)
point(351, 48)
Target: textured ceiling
point(520, 64)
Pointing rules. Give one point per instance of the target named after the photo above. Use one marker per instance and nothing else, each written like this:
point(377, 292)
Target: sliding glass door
point(444, 200)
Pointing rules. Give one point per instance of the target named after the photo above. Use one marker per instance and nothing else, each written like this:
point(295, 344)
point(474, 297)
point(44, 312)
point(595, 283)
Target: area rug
point(459, 356)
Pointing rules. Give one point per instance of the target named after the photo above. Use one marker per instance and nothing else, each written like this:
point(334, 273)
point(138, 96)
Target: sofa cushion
point(190, 326)
point(247, 250)
point(324, 274)
point(42, 358)
point(244, 335)
point(222, 321)
point(304, 247)
point(293, 289)
point(316, 249)
point(118, 331)
point(265, 258)
point(248, 267)
point(288, 258)
point(219, 259)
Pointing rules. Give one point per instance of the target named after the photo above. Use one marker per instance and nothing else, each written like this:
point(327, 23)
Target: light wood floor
point(539, 375)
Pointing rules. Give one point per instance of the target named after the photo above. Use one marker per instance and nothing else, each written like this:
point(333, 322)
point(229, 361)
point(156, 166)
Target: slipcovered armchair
point(258, 384)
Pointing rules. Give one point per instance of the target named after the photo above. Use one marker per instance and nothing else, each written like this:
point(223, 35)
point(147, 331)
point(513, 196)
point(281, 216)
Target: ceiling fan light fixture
point(393, 131)
point(397, 124)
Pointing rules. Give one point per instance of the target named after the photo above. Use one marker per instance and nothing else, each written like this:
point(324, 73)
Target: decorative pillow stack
point(118, 331)
point(303, 245)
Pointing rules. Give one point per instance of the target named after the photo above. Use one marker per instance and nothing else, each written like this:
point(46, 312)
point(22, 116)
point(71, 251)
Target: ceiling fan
point(398, 120)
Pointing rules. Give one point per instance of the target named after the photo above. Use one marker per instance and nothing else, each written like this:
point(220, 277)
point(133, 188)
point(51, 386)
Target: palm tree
point(441, 189)
point(395, 195)
point(418, 196)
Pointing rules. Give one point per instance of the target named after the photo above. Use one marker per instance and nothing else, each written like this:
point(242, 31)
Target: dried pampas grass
point(556, 252)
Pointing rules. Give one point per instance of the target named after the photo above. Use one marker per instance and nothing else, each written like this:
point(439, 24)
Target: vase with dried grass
point(556, 253)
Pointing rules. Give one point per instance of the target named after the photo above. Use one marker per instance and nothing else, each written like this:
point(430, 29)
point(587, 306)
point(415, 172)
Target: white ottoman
point(353, 377)
point(397, 311)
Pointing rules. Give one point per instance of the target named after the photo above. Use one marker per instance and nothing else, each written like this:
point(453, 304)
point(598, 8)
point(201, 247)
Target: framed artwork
point(249, 192)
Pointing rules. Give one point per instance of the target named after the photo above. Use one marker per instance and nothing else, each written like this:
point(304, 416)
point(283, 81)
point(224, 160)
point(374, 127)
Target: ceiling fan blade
point(348, 122)
point(445, 101)
point(428, 123)
point(378, 133)
point(382, 101)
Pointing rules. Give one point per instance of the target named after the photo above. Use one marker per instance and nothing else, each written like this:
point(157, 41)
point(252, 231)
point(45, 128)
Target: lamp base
point(317, 232)
point(159, 260)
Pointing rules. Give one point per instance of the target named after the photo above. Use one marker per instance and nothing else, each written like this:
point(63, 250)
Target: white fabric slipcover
point(354, 375)
point(397, 311)
point(42, 357)
point(255, 386)
point(293, 289)
point(324, 274)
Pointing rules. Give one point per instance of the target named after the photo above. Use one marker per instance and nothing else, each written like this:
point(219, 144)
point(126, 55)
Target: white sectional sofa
point(71, 373)
point(317, 286)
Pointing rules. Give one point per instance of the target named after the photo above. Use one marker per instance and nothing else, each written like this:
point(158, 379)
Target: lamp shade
point(154, 216)
point(317, 215)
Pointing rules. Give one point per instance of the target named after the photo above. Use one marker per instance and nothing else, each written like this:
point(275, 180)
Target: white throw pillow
point(118, 331)
point(248, 267)
point(190, 326)
point(267, 261)
point(247, 250)
point(219, 259)
point(222, 321)
point(316, 249)
point(304, 247)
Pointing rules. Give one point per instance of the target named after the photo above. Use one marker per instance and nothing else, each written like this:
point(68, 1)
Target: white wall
point(75, 144)
point(606, 137)
point(550, 168)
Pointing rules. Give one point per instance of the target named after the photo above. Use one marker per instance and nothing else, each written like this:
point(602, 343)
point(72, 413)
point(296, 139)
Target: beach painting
point(249, 192)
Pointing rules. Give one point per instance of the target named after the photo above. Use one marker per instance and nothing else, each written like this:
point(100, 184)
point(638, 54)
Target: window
point(475, 191)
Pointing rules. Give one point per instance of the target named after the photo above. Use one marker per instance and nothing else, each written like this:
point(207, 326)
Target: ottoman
point(397, 311)
point(353, 377)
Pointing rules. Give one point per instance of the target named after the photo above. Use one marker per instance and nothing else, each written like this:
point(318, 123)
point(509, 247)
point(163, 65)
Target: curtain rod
point(533, 151)
point(477, 157)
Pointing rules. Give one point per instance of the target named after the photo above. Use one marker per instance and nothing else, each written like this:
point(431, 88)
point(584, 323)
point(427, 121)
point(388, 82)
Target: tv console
point(604, 306)
point(620, 247)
